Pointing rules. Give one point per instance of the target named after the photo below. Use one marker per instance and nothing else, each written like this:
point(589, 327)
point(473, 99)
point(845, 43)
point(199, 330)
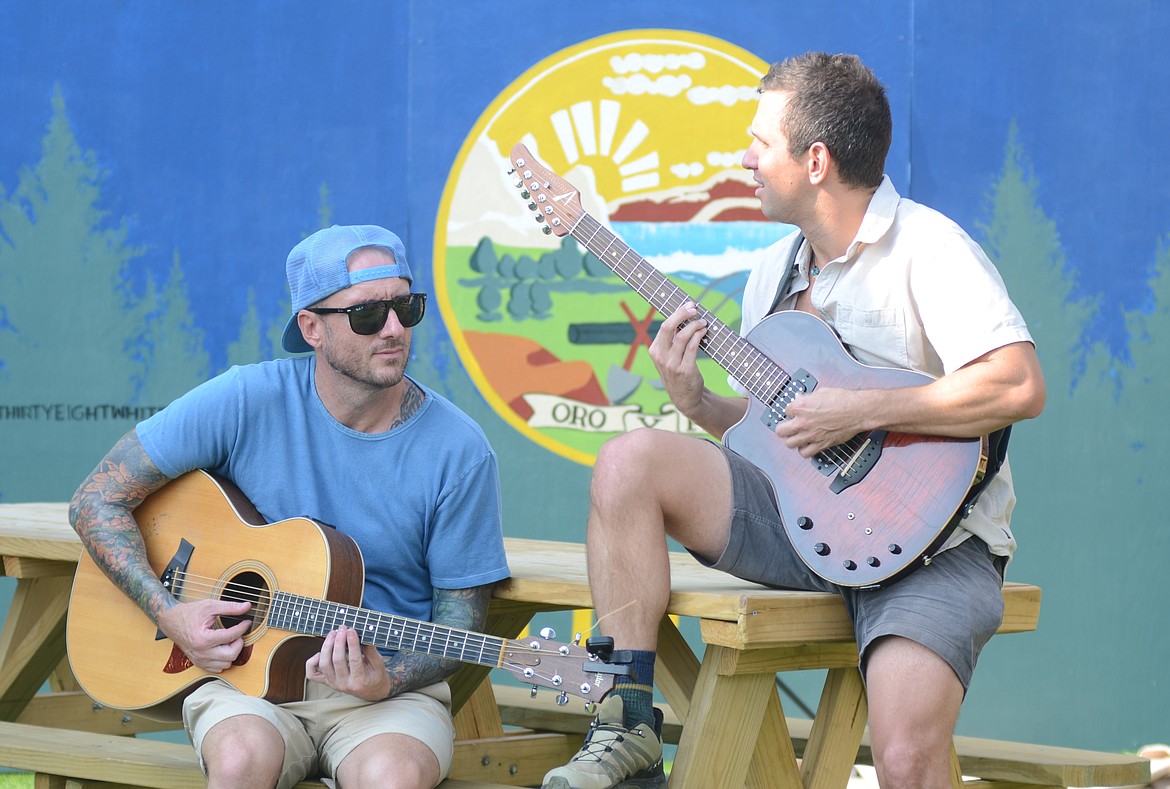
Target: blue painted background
point(225, 131)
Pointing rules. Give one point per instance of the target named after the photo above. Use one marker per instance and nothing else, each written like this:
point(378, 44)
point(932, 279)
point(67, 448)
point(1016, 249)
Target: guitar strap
point(789, 273)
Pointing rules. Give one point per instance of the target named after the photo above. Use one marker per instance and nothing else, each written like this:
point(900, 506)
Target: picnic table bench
point(726, 715)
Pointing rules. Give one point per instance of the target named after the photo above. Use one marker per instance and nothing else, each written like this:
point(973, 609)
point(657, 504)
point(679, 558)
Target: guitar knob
point(547, 633)
point(821, 549)
point(849, 564)
point(804, 522)
point(873, 561)
point(894, 548)
point(562, 699)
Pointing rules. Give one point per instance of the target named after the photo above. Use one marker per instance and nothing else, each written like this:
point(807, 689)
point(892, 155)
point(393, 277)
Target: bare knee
point(389, 761)
point(905, 762)
point(243, 751)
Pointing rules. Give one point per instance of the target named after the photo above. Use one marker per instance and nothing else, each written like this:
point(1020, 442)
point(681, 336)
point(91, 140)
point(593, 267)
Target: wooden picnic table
point(733, 733)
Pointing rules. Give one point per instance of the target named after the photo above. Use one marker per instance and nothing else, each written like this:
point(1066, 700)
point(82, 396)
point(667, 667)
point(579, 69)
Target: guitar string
point(770, 388)
point(208, 587)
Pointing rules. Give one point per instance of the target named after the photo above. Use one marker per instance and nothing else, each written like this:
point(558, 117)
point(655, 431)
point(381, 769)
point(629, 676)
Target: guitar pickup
point(802, 381)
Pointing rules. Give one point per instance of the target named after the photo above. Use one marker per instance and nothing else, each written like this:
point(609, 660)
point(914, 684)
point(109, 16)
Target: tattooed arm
point(101, 513)
point(344, 664)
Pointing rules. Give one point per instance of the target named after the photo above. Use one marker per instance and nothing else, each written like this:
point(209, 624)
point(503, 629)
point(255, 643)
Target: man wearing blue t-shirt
point(345, 437)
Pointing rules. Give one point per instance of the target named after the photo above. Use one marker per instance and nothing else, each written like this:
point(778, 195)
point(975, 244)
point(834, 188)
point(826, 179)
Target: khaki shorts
point(320, 731)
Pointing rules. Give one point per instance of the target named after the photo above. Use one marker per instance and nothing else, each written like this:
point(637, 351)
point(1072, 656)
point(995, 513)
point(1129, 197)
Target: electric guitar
point(304, 579)
point(859, 514)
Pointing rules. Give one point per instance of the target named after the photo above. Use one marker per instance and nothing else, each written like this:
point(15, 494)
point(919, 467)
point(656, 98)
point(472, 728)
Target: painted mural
point(650, 127)
point(158, 161)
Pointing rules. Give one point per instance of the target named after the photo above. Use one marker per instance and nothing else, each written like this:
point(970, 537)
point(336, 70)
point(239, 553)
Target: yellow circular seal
point(649, 128)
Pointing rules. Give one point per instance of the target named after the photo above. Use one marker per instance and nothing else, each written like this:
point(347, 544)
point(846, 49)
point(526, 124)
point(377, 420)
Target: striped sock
point(637, 690)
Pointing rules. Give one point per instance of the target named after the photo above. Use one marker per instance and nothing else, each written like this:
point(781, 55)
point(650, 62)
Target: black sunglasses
point(369, 317)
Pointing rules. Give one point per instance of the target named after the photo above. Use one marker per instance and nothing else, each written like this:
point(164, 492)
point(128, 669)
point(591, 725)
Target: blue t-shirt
point(422, 501)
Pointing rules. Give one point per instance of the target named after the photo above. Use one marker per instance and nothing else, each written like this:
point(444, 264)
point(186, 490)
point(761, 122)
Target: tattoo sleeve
point(101, 514)
point(464, 609)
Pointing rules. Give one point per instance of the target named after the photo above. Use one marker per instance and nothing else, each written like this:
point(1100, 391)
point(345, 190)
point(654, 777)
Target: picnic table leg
point(32, 642)
point(836, 732)
point(722, 726)
point(774, 761)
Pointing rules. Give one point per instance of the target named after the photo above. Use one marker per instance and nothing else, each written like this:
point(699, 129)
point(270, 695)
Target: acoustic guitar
point(859, 514)
point(304, 579)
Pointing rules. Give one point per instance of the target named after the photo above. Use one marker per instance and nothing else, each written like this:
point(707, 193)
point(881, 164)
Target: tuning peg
point(576, 639)
point(511, 170)
point(562, 698)
point(547, 633)
point(523, 192)
point(540, 217)
point(533, 691)
point(590, 708)
point(546, 230)
point(532, 206)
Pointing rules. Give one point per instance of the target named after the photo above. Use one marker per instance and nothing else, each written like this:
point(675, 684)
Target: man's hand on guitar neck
point(195, 629)
point(675, 352)
point(346, 665)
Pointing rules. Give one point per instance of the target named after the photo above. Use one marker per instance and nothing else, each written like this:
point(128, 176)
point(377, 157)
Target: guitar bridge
point(858, 462)
point(171, 577)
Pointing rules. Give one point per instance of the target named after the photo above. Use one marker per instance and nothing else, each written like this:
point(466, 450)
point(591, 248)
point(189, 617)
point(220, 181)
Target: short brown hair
point(835, 100)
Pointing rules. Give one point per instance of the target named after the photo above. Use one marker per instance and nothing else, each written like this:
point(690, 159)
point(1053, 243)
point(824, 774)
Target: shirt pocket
point(875, 337)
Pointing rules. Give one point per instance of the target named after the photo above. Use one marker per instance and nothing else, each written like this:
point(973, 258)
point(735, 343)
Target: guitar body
point(884, 525)
point(112, 645)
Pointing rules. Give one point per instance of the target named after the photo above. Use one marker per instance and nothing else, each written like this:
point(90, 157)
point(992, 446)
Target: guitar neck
point(309, 616)
point(761, 376)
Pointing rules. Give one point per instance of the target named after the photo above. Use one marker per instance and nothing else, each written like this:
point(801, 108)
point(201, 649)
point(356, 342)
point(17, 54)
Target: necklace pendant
point(815, 270)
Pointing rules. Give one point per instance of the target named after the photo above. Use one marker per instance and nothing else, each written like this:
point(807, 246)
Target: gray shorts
point(952, 606)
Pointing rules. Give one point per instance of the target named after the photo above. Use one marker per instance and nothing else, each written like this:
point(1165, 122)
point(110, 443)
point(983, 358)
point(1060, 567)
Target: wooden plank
point(25, 567)
point(1049, 764)
point(479, 717)
point(32, 641)
point(831, 749)
point(676, 669)
point(519, 760)
point(774, 759)
point(38, 530)
point(721, 730)
point(99, 757)
point(76, 710)
point(91, 759)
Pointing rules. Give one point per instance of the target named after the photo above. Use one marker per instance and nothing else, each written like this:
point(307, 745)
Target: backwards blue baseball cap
point(316, 269)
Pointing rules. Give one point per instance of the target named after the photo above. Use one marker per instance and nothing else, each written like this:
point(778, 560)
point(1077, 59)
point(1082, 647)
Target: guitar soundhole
point(248, 587)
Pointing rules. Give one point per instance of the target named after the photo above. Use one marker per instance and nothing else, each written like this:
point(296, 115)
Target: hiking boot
point(614, 756)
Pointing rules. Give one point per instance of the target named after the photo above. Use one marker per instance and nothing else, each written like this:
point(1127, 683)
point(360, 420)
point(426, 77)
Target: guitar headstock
point(556, 202)
point(568, 668)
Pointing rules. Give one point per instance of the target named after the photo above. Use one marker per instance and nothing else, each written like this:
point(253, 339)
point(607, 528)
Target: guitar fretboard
point(762, 377)
point(313, 617)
